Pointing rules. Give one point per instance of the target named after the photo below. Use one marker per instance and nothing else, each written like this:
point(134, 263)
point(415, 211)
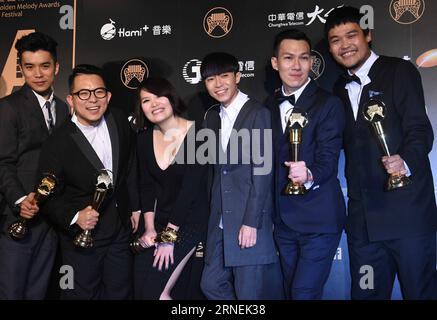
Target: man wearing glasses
point(95, 138)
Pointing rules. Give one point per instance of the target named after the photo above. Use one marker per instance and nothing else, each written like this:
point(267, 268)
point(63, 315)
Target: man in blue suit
point(241, 261)
point(391, 232)
point(308, 227)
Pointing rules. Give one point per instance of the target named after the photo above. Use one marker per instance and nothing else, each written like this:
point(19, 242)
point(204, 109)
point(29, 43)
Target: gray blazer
point(238, 194)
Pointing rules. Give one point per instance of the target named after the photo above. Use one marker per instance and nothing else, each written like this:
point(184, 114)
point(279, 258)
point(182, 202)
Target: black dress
point(181, 199)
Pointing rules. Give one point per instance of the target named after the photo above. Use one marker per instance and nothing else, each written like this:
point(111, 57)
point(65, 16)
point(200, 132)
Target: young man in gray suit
point(241, 258)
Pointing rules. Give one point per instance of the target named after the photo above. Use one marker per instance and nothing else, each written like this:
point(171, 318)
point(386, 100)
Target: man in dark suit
point(241, 258)
point(95, 138)
point(389, 232)
point(27, 117)
point(308, 226)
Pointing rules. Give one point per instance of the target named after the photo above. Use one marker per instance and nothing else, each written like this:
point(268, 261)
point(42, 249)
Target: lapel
point(305, 101)
point(62, 112)
point(373, 75)
point(115, 144)
point(84, 146)
point(34, 109)
point(278, 135)
point(238, 125)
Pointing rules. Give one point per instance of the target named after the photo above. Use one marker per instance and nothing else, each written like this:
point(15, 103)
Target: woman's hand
point(163, 255)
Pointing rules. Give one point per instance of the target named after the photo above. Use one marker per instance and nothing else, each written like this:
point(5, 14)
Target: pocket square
point(374, 93)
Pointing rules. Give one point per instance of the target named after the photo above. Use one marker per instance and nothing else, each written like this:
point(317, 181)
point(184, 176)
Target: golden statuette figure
point(295, 123)
point(19, 229)
point(374, 112)
point(104, 183)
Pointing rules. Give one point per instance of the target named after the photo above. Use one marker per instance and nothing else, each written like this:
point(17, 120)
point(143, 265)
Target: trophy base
point(396, 182)
point(83, 241)
point(294, 189)
point(136, 246)
point(18, 230)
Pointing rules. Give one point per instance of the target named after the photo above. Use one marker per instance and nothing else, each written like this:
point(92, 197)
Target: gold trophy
point(137, 245)
point(104, 183)
point(18, 230)
point(374, 112)
point(296, 122)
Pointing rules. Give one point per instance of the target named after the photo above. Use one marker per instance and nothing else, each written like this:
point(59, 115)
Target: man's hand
point(246, 237)
point(394, 164)
point(28, 208)
point(135, 219)
point(298, 171)
point(88, 218)
point(148, 237)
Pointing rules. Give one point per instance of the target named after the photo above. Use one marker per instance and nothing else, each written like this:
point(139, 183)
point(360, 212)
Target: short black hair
point(160, 87)
point(344, 15)
point(289, 34)
point(85, 69)
point(36, 41)
point(217, 63)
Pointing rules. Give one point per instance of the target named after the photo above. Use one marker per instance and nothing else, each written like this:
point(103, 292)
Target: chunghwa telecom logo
point(218, 22)
point(318, 65)
point(407, 11)
point(133, 73)
point(191, 71)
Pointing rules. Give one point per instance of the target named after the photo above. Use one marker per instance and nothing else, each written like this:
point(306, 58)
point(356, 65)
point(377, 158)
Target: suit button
point(225, 172)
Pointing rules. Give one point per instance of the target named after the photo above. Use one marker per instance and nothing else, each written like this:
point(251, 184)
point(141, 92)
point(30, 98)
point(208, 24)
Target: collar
point(235, 107)
point(363, 72)
point(41, 100)
point(85, 128)
point(298, 92)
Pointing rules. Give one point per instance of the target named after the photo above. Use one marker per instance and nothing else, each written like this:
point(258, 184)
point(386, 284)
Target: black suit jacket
point(69, 156)
point(23, 130)
point(404, 212)
point(322, 208)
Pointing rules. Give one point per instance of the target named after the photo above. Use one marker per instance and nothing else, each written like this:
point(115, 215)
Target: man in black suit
point(95, 138)
point(27, 117)
point(389, 232)
point(308, 226)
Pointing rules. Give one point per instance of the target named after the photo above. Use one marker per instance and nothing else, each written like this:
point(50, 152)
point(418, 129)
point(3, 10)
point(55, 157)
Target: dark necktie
point(281, 98)
point(351, 78)
point(50, 119)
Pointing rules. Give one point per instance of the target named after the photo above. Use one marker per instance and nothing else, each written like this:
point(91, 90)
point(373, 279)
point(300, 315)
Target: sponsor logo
point(191, 71)
point(218, 22)
point(407, 11)
point(109, 31)
point(133, 73)
point(318, 65)
point(246, 68)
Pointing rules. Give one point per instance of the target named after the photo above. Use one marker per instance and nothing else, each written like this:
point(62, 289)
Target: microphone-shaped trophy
point(19, 229)
point(296, 122)
point(374, 112)
point(104, 183)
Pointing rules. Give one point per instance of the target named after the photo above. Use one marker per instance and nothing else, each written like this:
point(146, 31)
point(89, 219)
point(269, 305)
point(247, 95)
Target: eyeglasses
point(85, 94)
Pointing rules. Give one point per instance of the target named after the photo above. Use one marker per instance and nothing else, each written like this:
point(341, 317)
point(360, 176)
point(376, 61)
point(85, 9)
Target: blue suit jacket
point(321, 209)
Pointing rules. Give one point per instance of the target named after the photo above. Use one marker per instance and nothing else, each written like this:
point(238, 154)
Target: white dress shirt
point(98, 136)
point(354, 89)
point(228, 115)
point(42, 101)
